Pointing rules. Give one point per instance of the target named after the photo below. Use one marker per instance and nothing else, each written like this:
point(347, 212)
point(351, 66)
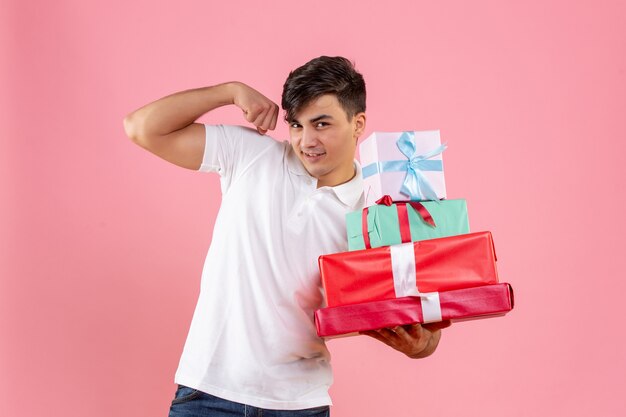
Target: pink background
point(102, 243)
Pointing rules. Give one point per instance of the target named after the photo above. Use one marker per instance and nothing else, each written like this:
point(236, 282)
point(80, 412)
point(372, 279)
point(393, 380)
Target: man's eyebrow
point(313, 120)
point(320, 117)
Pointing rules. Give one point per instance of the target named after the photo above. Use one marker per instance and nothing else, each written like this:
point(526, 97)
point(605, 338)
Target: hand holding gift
point(414, 340)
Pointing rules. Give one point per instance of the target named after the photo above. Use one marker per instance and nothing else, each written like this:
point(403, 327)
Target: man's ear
point(358, 121)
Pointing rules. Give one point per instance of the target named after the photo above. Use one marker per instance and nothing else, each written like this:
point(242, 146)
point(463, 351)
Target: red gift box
point(388, 272)
point(455, 305)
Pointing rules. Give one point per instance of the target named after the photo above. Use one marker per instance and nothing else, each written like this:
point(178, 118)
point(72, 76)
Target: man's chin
point(315, 172)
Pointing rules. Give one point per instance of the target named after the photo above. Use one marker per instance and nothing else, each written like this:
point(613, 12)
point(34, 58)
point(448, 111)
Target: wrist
point(232, 90)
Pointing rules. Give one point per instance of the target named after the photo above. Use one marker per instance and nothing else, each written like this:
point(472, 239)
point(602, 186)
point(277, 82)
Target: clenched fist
point(257, 109)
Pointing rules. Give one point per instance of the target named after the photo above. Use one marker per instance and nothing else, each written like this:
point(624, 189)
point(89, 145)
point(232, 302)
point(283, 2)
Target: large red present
point(388, 272)
point(455, 305)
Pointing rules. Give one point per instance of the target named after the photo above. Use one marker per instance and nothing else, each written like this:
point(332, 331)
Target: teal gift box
point(387, 223)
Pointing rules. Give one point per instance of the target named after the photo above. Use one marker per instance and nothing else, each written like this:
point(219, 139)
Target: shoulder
point(247, 147)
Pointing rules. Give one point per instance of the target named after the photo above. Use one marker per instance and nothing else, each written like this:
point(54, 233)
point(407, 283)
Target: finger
point(261, 130)
point(267, 121)
point(390, 333)
point(249, 115)
point(401, 331)
point(411, 337)
point(372, 333)
point(415, 330)
point(418, 338)
point(275, 117)
point(260, 117)
point(376, 335)
point(255, 112)
point(380, 334)
point(438, 325)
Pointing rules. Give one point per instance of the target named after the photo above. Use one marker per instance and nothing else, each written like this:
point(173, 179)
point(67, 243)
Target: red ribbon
point(403, 218)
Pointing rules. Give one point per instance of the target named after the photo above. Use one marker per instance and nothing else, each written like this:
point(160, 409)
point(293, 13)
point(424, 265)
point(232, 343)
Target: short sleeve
point(230, 150)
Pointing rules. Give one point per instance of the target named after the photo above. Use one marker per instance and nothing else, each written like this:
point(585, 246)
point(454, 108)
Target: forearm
point(177, 111)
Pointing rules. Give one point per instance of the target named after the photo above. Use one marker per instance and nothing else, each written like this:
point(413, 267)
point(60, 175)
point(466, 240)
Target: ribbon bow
point(417, 206)
point(415, 184)
point(403, 218)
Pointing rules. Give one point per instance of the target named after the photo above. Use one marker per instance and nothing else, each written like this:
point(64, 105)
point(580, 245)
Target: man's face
point(325, 140)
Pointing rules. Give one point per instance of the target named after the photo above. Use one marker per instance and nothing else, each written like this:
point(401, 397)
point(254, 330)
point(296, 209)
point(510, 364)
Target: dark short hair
point(320, 76)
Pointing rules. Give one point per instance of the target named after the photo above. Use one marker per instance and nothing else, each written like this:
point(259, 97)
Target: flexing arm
point(166, 127)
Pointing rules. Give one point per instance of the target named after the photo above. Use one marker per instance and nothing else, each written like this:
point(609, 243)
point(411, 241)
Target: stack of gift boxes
point(411, 258)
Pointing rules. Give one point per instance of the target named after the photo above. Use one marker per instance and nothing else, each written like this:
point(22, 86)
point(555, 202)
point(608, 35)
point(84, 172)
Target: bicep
point(183, 147)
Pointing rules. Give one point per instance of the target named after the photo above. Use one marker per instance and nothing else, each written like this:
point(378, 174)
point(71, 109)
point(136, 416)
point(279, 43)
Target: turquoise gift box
point(385, 223)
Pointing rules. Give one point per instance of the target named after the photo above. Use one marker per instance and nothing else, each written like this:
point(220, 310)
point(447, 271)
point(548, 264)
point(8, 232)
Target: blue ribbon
point(415, 184)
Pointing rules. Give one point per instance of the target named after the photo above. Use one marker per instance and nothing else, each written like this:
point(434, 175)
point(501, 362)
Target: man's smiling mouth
point(313, 154)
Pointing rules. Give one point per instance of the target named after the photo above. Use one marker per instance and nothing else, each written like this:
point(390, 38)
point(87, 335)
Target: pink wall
point(102, 244)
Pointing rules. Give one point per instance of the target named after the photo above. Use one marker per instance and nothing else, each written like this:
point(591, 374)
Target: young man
point(252, 348)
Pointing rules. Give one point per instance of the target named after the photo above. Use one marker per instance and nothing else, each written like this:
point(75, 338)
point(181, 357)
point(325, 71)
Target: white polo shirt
point(252, 338)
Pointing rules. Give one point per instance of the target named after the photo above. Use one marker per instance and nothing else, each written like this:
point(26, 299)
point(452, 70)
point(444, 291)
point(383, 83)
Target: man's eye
point(322, 124)
point(294, 125)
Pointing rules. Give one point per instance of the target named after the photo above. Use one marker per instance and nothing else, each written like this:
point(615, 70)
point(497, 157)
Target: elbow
point(132, 128)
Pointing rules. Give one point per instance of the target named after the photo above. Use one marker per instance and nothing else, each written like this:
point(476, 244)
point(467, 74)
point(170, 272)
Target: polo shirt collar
point(348, 193)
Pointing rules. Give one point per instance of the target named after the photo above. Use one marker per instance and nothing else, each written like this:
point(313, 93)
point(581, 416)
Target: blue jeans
point(189, 402)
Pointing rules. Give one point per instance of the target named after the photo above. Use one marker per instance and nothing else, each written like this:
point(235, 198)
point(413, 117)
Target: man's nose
point(309, 138)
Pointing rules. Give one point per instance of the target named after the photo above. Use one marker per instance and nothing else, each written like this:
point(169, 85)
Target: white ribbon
point(405, 284)
point(403, 268)
point(431, 307)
